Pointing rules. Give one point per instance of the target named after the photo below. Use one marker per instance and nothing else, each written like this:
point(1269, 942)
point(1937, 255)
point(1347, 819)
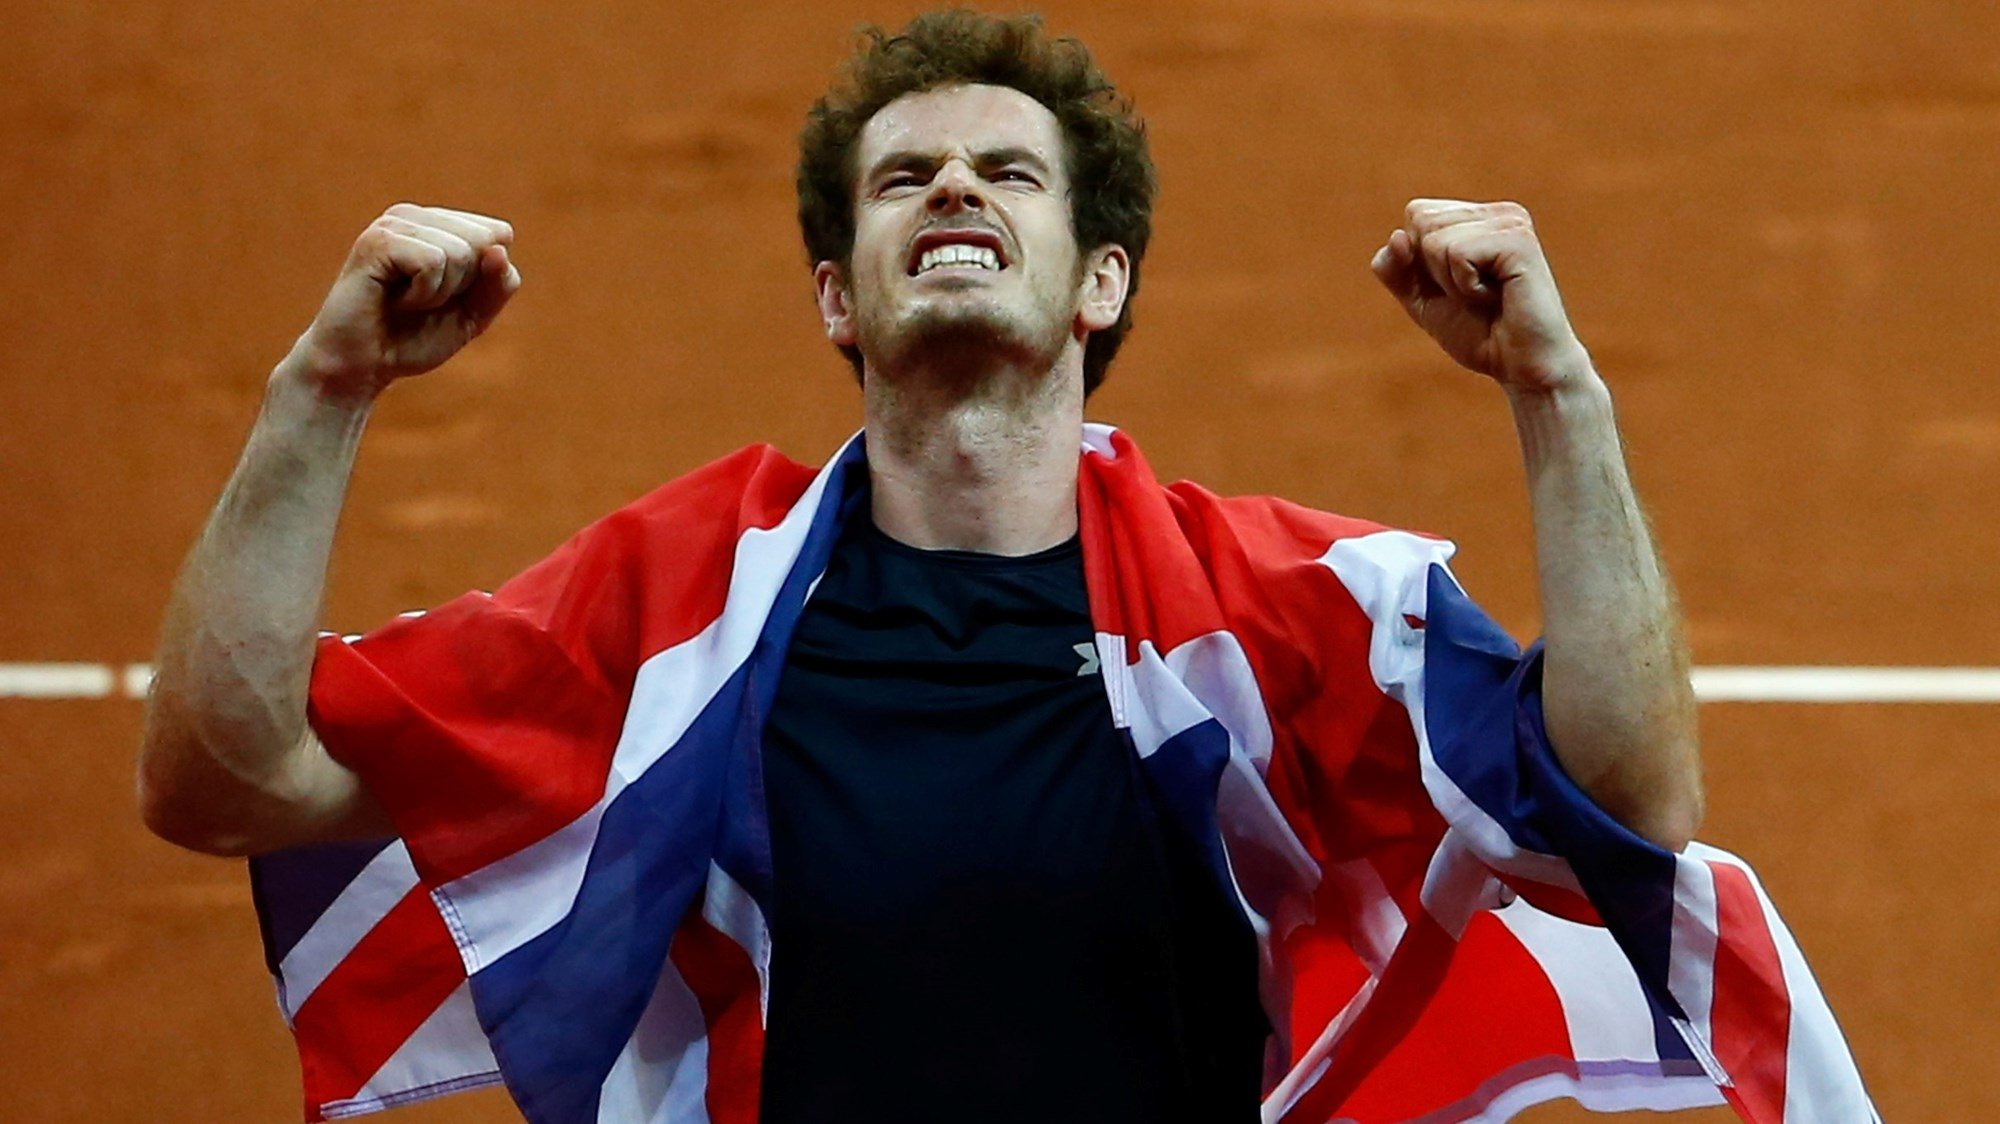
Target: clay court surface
point(1773, 224)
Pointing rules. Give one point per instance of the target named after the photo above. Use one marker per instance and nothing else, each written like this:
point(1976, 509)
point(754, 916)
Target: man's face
point(962, 234)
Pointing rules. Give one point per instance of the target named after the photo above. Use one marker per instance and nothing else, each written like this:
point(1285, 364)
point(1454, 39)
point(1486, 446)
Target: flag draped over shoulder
point(1448, 928)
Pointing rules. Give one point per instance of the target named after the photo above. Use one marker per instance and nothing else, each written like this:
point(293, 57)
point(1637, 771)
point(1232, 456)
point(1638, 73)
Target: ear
point(1107, 276)
point(830, 292)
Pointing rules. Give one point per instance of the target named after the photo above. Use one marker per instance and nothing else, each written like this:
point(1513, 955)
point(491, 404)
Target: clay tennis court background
point(1773, 224)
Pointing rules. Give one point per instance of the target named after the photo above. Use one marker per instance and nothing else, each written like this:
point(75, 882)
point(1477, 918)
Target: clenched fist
point(420, 283)
point(1473, 276)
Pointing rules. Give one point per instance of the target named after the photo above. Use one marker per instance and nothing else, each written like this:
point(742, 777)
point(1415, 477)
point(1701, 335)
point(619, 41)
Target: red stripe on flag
point(1751, 1016)
point(1411, 978)
point(473, 729)
point(720, 974)
point(1495, 1012)
point(1326, 974)
point(375, 998)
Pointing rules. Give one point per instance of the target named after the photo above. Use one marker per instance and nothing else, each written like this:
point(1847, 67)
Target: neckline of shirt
point(1067, 550)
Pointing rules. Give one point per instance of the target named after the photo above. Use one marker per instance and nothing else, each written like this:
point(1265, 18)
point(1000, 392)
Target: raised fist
point(1473, 276)
point(420, 283)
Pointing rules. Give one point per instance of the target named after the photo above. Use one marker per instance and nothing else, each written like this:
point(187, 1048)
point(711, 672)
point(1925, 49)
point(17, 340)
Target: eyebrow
point(911, 160)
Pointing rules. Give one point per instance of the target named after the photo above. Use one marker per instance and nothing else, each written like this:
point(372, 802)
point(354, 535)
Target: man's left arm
point(1616, 698)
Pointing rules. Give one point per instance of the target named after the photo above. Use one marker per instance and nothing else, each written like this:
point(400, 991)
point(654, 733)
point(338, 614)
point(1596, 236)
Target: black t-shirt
point(977, 915)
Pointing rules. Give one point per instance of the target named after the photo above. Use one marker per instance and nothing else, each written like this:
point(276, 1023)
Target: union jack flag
point(1448, 928)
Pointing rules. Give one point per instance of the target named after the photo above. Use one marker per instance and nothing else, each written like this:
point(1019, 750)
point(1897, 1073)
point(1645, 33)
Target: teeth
point(958, 254)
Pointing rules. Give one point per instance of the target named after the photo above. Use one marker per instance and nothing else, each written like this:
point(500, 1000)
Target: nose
point(954, 189)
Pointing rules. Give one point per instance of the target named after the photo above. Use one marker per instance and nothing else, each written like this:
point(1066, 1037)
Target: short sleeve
point(491, 719)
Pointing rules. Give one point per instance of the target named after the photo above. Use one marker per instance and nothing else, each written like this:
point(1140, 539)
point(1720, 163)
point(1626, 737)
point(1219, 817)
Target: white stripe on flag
point(447, 1053)
point(1691, 966)
point(1165, 707)
point(1458, 884)
point(1378, 925)
point(1637, 1092)
point(363, 903)
point(1606, 1012)
point(1316, 1057)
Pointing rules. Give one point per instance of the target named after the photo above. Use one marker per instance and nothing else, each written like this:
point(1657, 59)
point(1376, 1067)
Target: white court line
point(1805, 684)
point(1848, 684)
point(56, 680)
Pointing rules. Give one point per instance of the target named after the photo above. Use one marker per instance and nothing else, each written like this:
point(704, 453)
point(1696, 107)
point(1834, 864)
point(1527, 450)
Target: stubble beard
point(955, 339)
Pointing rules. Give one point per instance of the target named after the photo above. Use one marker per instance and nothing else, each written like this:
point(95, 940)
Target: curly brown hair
point(1111, 176)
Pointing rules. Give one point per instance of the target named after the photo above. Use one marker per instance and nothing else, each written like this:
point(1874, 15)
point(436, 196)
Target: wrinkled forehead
point(960, 121)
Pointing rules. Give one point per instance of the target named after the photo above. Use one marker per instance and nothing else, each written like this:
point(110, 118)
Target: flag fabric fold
point(575, 904)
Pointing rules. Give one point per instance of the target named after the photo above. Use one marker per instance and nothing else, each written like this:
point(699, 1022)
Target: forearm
point(227, 716)
point(1616, 696)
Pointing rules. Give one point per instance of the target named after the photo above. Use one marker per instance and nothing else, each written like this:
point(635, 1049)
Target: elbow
point(1687, 822)
point(168, 821)
point(1683, 803)
point(173, 824)
point(178, 818)
point(184, 808)
point(1642, 769)
point(1666, 810)
point(1672, 827)
point(1694, 808)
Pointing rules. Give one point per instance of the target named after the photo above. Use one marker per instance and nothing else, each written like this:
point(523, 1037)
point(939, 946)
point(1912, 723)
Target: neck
point(986, 463)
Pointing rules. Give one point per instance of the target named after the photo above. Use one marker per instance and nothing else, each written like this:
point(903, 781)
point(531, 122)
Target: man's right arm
point(229, 764)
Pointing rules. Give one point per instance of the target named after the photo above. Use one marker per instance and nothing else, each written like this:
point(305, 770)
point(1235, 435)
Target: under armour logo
point(1089, 654)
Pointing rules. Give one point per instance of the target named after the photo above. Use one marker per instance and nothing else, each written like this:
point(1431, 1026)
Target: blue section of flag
point(743, 847)
point(560, 1008)
point(1675, 1057)
point(1185, 771)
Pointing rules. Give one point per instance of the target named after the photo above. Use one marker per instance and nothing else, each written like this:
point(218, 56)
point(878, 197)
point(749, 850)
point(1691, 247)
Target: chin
point(961, 318)
point(973, 334)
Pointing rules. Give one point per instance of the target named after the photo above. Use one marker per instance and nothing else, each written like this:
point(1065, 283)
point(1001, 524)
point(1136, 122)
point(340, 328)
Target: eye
point(900, 180)
point(1015, 173)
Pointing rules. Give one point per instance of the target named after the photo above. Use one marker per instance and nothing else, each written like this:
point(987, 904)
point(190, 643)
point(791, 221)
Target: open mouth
point(961, 249)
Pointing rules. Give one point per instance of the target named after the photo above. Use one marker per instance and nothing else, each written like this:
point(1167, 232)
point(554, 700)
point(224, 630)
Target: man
point(977, 894)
